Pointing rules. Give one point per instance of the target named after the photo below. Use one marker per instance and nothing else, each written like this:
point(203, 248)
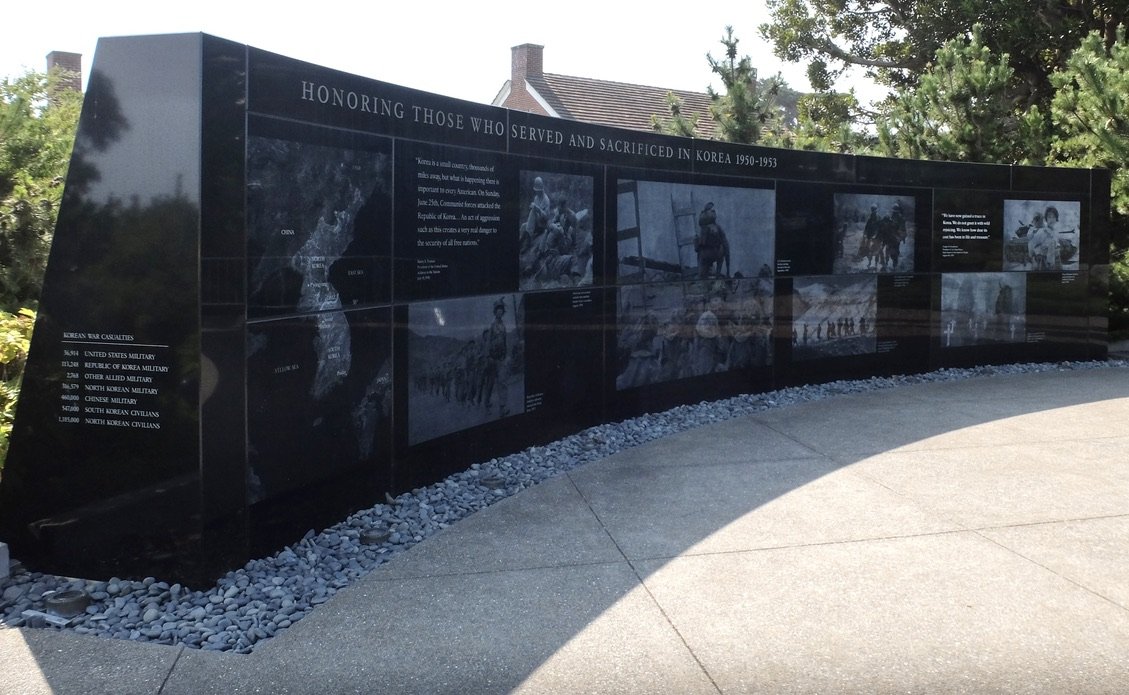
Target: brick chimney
point(72, 63)
point(526, 61)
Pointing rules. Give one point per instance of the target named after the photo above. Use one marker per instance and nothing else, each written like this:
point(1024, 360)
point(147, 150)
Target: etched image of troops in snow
point(555, 235)
point(673, 232)
point(873, 233)
point(681, 330)
point(466, 364)
point(834, 316)
point(983, 308)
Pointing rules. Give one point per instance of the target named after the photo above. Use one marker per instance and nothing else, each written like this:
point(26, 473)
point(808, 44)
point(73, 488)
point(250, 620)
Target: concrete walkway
point(960, 537)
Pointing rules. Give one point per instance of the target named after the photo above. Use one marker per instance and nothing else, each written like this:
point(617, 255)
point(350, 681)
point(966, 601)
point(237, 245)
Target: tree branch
point(898, 9)
point(835, 52)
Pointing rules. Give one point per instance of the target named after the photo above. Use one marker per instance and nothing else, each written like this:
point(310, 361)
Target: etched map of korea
point(304, 203)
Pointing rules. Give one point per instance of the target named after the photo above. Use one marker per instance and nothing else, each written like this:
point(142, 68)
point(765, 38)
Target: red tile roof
point(617, 103)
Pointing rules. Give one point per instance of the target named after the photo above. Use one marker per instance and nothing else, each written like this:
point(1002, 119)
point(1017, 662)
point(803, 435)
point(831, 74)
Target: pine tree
point(1090, 116)
point(748, 110)
point(1090, 111)
point(826, 122)
point(963, 109)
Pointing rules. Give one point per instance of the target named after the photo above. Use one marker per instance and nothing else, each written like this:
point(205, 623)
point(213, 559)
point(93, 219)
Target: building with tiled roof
point(589, 100)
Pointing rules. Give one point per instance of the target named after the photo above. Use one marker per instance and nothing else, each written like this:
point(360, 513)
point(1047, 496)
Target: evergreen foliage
point(1090, 111)
point(749, 110)
point(37, 125)
point(894, 41)
point(962, 109)
point(1091, 123)
point(826, 122)
point(15, 339)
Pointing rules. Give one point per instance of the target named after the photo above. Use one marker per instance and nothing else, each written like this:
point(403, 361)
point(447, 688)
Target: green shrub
point(15, 338)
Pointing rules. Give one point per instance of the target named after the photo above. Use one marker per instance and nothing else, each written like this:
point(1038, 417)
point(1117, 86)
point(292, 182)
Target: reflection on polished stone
point(278, 292)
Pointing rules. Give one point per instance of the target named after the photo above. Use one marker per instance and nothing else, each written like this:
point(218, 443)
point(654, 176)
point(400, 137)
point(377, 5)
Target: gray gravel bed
point(267, 595)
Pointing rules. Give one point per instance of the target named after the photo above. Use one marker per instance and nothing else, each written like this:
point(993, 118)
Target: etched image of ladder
point(630, 254)
point(684, 218)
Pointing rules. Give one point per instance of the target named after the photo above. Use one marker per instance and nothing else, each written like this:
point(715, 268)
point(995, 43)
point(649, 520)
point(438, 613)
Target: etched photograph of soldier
point(1042, 235)
point(555, 232)
point(873, 233)
point(671, 331)
point(834, 316)
point(674, 231)
point(466, 364)
point(983, 308)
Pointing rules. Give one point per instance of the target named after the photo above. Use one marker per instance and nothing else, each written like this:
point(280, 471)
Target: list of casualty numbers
point(110, 380)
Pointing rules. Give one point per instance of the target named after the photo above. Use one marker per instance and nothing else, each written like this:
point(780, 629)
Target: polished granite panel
point(279, 291)
point(319, 398)
point(300, 91)
point(106, 452)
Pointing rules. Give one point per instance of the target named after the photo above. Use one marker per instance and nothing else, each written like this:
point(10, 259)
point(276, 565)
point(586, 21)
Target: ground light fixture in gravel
point(267, 595)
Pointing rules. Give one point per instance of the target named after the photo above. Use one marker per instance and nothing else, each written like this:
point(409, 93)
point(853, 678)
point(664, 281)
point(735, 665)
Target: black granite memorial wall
point(279, 291)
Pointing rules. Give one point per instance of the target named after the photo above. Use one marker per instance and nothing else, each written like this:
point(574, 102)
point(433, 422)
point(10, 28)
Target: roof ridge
point(618, 104)
point(624, 84)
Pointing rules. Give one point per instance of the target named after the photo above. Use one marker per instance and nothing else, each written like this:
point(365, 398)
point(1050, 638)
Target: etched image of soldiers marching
point(468, 363)
point(873, 233)
point(705, 305)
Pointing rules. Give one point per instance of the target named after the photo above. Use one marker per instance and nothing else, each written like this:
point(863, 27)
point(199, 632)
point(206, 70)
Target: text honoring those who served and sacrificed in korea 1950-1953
point(110, 380)
point(458, 204)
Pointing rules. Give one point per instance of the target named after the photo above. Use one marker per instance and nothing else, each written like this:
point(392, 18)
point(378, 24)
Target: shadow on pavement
point(777, 550)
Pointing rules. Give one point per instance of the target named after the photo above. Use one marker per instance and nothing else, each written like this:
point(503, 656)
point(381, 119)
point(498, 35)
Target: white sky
point(454, 48)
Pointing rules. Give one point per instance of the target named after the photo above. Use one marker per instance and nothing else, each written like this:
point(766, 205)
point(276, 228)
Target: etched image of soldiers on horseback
point(466, 363)
point(1042, 235)
point(834, 316)
point(555, 234)
point(681, 330)
point(674, 231)
point(983, 308)
point(873, 233)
